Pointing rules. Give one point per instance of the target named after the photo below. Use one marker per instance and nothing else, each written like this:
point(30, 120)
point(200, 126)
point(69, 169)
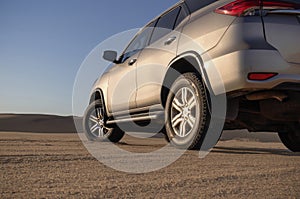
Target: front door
point(153, 60)
point(122, 79)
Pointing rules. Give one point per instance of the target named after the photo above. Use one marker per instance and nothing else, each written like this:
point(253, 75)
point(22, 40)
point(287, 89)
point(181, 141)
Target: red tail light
point(261, 76)
point(271, 5)
point(246, 7)
point(239, 7)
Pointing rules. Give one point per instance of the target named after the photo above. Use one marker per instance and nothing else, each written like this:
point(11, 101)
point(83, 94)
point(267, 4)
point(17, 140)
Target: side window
point(182, 15)
point(165, 24)
point(139, 42)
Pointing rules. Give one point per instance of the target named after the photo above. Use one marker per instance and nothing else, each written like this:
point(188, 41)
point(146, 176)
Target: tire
point(187, 115)
point(291, 139)
point(166, 137)
point(94, 125)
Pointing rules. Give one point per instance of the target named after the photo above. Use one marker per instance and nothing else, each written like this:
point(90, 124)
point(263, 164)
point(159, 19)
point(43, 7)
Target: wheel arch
point(187, 62)
point(97, 95)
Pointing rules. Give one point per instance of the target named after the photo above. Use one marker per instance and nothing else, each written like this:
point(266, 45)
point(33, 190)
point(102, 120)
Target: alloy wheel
point(96, 123)
point(183, 112)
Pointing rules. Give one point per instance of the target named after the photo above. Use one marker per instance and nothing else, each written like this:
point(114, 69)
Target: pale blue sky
point(43, 43)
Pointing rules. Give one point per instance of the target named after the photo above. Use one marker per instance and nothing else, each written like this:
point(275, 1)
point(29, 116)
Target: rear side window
point(195, 5)
point(165, 24)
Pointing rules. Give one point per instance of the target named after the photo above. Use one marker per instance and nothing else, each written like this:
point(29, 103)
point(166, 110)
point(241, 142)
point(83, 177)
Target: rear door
point(282, 27)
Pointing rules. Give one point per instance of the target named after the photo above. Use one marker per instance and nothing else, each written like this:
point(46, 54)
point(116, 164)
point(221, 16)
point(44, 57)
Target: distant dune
point(37, 123)
point(65, 124)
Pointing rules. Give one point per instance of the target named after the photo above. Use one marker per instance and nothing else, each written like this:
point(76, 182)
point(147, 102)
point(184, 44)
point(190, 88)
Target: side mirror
point(110, 55)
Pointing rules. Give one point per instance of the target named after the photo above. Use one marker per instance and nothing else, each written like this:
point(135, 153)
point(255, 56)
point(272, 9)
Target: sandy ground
point(58, 166)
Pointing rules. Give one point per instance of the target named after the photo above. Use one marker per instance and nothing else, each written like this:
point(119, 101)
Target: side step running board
point(158, 115)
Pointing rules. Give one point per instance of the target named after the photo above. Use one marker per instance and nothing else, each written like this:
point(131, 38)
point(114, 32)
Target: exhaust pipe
point(267, 95)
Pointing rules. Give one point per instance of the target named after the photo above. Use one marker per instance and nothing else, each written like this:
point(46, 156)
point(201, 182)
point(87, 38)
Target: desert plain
point(57, 165)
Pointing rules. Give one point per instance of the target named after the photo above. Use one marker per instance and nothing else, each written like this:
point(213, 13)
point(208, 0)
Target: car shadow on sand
point(223, 149)
point(248, 150)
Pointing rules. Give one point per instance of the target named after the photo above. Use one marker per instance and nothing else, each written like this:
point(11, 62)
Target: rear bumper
point(233, 70)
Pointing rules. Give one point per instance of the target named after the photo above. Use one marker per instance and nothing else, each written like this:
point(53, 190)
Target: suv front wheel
point(186, 113)
point(94, 125)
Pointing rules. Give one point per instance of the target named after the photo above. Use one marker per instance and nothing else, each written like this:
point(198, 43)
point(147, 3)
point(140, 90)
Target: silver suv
point(253, 47)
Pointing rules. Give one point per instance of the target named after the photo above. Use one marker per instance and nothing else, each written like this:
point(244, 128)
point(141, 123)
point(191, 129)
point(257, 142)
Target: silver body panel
point(235, 45)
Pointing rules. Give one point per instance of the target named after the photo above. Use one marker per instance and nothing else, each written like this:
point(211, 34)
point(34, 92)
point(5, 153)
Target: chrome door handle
point(131, 62)
point(170, 40)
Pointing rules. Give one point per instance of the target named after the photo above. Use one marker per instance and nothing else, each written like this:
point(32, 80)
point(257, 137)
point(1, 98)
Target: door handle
point(131, 62)
point(170, 40)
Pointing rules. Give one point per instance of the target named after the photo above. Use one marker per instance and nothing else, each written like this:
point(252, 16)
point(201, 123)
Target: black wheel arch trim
point(98, 94)
point(193, 59)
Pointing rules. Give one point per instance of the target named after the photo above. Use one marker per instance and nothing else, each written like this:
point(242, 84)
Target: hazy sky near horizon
point(44, 42)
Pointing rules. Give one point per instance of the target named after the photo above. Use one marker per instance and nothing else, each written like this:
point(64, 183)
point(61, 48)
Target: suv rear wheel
point(291, 139)
point(187, 115)
point(94, 125)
